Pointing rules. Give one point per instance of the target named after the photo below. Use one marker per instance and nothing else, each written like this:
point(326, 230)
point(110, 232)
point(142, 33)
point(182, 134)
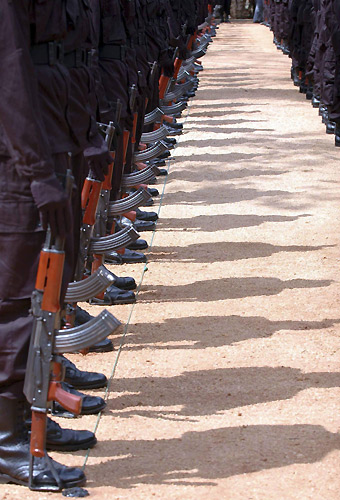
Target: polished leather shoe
point(138, 245)
point(146, 216)
point(129, 257)
point(143, 225)
point(164, 155)
point(15, 454)
point(91, 405)
point(153, 191)
point(322, 109)
point(148, 203)
point(175, 125)
point(126, 282)
point(170, 140)
point(162, 171)
point(59, 439)
point(315, 102)
point(82, 379)
point(114, 296)
point(296, 80)
point(337, 135)
point(132, 257)
point(330, 127)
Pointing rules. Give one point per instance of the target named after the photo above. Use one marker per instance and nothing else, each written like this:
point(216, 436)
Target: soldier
point(30, 167)
point(30, 188)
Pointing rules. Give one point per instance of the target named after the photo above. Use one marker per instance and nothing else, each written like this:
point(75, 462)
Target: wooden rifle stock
point(163, 83)
point(68, 401)
point(89, 200)
point(49, 278)
point(38, 433)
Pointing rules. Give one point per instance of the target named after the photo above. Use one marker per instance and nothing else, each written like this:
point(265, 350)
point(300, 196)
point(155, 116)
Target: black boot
point(144, 225)
point(315, 101)
point(59, 439)
point(330, 127)
point(91, 405)
point(138, 245)
point(15, 454)
point(81, 379)
point(114, 296)
point(146, 216)
point(129, 257)
point(337, 135)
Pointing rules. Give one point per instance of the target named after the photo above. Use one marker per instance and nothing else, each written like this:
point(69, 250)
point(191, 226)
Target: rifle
point(44, 372)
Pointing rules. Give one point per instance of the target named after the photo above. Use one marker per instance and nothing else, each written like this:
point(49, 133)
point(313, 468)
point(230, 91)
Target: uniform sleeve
point(19, 105)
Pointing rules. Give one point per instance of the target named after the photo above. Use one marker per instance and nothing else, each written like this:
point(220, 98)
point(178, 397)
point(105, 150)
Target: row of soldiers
point(309, 31)
point(91, 91)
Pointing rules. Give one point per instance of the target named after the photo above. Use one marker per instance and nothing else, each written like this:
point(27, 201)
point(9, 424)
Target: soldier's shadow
point(203, 332)
point(213, 223)
point(225, 251)
point(199, 393)
point(201, 195)
point(224, 289)
point(199, 458)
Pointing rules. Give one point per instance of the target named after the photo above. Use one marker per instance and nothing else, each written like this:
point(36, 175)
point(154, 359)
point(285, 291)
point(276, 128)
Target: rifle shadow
point(225, 289)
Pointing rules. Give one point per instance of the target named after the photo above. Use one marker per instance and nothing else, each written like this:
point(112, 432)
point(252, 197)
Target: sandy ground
point(227, 385)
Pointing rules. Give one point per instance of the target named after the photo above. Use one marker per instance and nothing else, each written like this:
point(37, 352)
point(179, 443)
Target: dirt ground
point(227, 386)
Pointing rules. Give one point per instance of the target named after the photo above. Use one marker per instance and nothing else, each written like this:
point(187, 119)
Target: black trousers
point(19, 259)
point(225, 8)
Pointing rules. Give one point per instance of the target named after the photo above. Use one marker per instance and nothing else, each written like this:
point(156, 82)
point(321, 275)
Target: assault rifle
point(44, 371)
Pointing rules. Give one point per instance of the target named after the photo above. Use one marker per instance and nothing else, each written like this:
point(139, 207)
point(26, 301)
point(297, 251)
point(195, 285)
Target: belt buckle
point(55, 52)
point(89, 55)
point(80, 57)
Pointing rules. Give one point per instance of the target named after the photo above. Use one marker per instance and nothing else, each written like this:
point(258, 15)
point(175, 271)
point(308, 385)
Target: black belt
point(78, 58)
point(50, 53)
point(112, 52)
point(47, 53)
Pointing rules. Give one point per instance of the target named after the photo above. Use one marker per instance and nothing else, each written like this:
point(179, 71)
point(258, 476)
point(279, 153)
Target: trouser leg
point(18, 269)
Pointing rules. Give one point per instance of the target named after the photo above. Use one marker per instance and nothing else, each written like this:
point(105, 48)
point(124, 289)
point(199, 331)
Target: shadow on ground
point(202, 458)
point(203, 332)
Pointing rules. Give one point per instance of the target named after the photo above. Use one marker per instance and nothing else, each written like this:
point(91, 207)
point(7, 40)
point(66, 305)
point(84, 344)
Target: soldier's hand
point(53, 204)
point(183, 52)
point(98, 159)
point(166, 63)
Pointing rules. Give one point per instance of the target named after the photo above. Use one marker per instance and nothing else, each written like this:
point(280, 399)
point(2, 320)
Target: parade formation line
point(227, 386)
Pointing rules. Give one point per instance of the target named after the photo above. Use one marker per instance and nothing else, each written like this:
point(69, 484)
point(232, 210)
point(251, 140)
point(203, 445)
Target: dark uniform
point(37, 134)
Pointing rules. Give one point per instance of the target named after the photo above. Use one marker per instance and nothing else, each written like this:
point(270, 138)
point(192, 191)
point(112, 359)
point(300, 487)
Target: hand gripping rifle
point(44, 371)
